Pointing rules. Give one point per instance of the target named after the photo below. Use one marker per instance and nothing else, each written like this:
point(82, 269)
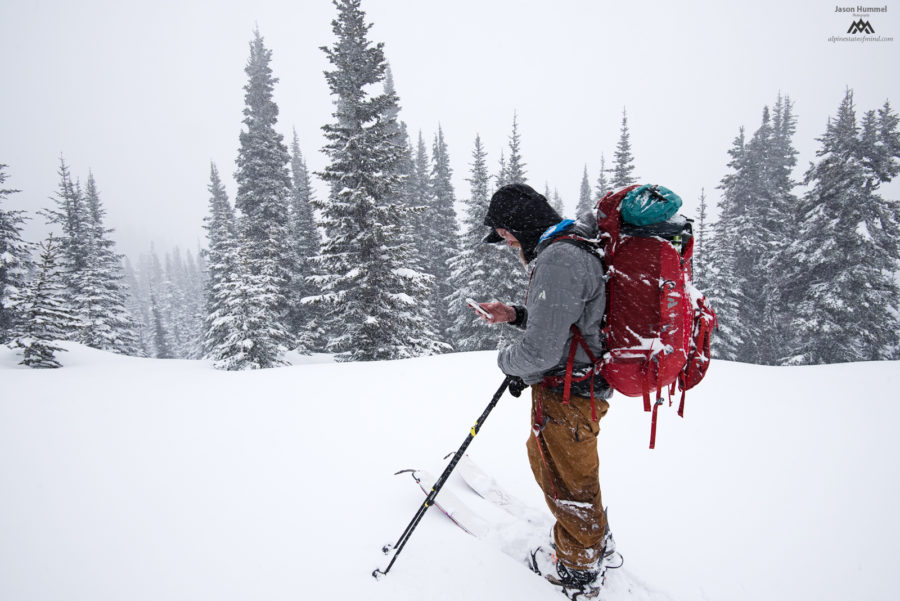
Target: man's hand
point(497, 312)
point(516, 386)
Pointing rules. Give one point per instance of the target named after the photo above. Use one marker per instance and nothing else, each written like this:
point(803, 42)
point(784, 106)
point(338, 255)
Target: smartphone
point(474, 304)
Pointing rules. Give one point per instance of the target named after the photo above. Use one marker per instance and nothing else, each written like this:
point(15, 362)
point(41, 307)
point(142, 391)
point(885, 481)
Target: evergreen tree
point(515, 172)
point(305, 242)
point(585, 204)
point(222, 265)
point(46, 316)
point(263, 196)
point(845, 257)
point(603, 185)
point(246, 297)
point(416, 199)
point(719, 268)
point(623, 171)
point(502, 178)
point(700, 237)
point(101, 302)
point(15, 260)
point(138, 308)
point(368, 286)
point(70, 215)
point(443, 238)
point(160, 334)
point(420, 190)
point(192, 284)
point(777, 220)
point(470, 268)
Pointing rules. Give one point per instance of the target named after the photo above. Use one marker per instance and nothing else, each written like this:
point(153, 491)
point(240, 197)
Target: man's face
point(506, 235)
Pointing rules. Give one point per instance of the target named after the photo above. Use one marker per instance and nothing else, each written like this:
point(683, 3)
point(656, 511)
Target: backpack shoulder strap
point(591, 246)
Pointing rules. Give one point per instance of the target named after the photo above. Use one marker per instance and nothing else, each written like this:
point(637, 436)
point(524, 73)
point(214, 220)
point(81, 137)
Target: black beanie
point(519, 209)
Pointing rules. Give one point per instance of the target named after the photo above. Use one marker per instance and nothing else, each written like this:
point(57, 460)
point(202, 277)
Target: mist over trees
point(800, 268)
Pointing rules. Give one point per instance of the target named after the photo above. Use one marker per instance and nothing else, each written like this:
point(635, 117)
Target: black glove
point(516, 386)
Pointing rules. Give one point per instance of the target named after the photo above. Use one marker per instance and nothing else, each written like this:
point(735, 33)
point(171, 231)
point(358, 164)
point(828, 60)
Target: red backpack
point(658, 326)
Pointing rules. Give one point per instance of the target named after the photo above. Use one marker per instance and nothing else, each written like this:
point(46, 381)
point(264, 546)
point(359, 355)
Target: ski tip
point(378, 574)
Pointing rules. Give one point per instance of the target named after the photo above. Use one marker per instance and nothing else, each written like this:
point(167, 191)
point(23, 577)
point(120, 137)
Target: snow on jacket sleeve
point(564, 280)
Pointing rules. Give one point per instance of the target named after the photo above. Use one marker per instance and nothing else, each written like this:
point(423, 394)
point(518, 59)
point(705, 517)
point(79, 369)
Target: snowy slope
point(136, 479)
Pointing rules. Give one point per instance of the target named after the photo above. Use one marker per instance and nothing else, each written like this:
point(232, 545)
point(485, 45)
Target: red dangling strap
point(570, 363)
point(653, 423)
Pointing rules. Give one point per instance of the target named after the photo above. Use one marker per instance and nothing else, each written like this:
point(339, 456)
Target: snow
point(127, 478)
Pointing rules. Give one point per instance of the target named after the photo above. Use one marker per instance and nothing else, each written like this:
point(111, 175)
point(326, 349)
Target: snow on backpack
point(657, 326)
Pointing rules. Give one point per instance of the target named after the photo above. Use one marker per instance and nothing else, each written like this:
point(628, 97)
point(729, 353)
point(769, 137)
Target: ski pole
point(429, 500)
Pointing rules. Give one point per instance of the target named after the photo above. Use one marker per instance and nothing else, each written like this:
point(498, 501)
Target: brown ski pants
point(563, 457)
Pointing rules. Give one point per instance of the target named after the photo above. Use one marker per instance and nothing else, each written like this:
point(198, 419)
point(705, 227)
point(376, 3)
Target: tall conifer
point(15, 259)
point(263, 198)
point(368, 284)
point(46, 315)
point(623, 170)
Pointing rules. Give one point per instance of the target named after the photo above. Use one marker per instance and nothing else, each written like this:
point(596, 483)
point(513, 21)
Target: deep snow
point(139, 479)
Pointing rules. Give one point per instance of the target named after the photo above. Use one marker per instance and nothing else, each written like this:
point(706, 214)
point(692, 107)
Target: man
point(566, 289)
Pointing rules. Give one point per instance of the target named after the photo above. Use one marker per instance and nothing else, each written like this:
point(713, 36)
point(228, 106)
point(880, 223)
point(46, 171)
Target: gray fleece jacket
point(567, 286)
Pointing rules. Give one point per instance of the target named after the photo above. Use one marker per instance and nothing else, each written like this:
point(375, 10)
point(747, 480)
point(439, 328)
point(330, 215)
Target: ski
point(450, 505)
point(489, 489)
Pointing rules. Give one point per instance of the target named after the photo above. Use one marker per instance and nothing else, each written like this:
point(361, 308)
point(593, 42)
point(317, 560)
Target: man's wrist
point(521, 317)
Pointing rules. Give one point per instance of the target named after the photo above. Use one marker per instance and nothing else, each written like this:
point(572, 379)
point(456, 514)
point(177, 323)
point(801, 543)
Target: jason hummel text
point(860, 9)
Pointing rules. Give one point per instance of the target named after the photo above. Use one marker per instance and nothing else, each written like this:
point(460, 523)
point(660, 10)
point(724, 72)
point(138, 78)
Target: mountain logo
point(861, 27)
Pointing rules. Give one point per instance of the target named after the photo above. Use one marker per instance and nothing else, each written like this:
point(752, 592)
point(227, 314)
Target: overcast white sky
point(146, 94)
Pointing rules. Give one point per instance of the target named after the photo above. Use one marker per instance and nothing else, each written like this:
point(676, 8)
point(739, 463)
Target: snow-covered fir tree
point(159, 331)
point(46, 315)
point(720, 263)
point(102, 305)
point(515, 169)
point(602, 186)
point(780, 160)
point(138, 308)
point(222, 265)
point(70, 215)
point(415, 196)
point(843, 263)
point(701, 235)
point(472, 267)
point(246, 299)
point(623, 169)
point(305, 243)
point(585, 202)
point(419, 197)
point(263, 199)
point(443, 235)
point(369, 283)
point(502, 177)
point(15, 260)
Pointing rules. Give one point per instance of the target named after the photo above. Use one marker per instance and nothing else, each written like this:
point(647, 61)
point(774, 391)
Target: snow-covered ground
point(137, 479)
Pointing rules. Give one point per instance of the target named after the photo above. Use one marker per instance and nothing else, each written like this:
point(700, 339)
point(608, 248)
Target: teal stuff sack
point(648, 204)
